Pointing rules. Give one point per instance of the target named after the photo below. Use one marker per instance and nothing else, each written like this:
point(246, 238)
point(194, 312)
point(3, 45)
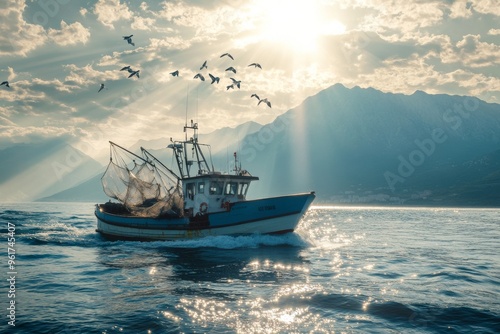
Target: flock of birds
point(214, 79)
point(235, 83)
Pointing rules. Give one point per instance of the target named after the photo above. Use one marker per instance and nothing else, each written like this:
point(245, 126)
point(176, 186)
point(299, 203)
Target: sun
point(297, 24)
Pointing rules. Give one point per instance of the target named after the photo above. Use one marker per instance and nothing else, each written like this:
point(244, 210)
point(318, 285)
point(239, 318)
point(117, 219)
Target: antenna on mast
point(187, 103)
point(237, 168)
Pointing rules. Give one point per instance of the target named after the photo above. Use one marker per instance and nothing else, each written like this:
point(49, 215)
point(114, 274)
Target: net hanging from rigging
point(142, 184)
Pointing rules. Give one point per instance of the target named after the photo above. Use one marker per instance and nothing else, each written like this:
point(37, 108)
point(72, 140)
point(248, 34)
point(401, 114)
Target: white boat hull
point(275, 225)
point(254, 222)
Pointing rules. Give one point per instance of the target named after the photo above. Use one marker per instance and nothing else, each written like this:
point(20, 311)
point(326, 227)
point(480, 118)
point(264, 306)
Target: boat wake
point(237, 242)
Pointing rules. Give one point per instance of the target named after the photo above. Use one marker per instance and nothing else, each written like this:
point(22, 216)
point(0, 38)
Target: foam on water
point(234, 242)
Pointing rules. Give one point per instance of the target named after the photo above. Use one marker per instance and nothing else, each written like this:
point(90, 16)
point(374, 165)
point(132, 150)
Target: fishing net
point(142, 184)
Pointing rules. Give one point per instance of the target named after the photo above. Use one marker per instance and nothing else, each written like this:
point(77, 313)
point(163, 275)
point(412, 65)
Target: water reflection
point(208, 286)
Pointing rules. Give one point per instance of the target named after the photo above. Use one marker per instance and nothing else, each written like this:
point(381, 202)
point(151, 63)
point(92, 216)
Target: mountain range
point(355, 146)
point(31, 171)
point(364, 146)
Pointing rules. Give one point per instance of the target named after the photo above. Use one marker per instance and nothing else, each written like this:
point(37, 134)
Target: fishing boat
point(156, 203)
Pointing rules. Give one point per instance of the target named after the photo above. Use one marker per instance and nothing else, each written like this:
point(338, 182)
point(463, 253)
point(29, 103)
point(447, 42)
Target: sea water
point(345, 270)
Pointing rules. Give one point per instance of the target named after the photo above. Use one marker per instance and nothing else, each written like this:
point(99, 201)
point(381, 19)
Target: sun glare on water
point(297, 24)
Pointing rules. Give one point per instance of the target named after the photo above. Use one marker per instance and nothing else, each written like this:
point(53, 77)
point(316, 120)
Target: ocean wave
point(244, 241)
point(395, 314)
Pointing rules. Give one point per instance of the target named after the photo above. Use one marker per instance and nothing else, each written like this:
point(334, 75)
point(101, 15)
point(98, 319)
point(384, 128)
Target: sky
point(55, 54)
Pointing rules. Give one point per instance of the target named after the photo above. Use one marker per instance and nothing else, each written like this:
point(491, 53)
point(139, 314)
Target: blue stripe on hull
point(240, 213)
point(260, 209)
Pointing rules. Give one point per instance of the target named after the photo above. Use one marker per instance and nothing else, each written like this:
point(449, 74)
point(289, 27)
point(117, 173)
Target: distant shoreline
point(405, 205)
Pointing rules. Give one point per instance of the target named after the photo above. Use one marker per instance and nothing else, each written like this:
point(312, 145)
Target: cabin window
point(216, 187)
point(190, 189)
point(231, 188)
point(201, 187)
point(243, 188)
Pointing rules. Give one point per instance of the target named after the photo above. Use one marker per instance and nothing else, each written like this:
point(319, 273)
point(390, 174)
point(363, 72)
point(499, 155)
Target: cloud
point(110, 11)
point(18, 37)
point(37, 101)
point(110, 60)
point(414, 74)
point(5, 121)
point(485, 6)
point(22, 94)
point(389, 17)
point(207, 23)
point(83, 11)
point(70, 34)
point(168, 42)
point(31, 94)
point(469, 83)
point(12, 74)
point(56, 84)
point(473, 53)
point(397, 19)
point(461, 8)
point(87, 75)
point(26, 134)
point(5, 115)
point(467, 8)
point(142, 23)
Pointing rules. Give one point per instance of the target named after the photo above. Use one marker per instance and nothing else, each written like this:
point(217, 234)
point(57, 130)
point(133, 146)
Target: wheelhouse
point(207, 191)
point(214, 192)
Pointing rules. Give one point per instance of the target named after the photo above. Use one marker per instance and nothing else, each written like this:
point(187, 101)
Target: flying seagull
point(230, 86)
point(6, 83)
point(255, 95)
point(227, 54)
point(236, 82)
point(102, 87)
point(129, 39)
point(231, 69)
point(204, 65)
point(175, 73)
point(266, 102)
point(214, 79)
point(255, 65)
point(199, 76)
point(134, 73)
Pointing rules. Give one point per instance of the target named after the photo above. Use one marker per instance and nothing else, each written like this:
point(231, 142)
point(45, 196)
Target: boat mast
point(237, 164)
point(183, 162)
point(200, 157)
point(186, 161)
